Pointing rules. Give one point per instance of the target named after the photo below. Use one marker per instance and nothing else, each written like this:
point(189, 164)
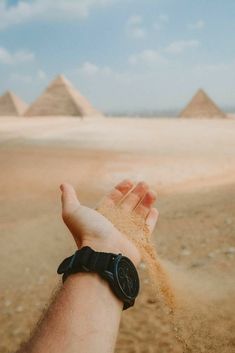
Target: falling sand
point(204, 301)
point(196, 304)
point(135, 229)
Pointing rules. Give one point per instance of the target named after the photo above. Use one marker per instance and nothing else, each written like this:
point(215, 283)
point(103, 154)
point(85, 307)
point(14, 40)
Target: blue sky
point(122, 54)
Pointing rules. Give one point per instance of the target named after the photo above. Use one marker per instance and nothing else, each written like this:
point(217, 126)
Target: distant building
point(61, 99)
point(202, 106)
point(11, 105)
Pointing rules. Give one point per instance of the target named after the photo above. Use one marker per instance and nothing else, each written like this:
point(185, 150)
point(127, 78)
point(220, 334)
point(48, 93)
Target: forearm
point(84, 318)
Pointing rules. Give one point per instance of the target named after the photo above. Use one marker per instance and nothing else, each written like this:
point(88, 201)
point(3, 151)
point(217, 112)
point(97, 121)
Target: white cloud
point(41, 75)
point(164, 18)
point(138, 32)
point(46, 9)
point(178, 47)
point(200, 24)
point(153, 57)
point(217, 67)
point(20, 56)
point(20, 78)
point(148, 56)
point(90, 69)
point(161, 22)
point(134, 20)
point(135, 28)
point(214, 67)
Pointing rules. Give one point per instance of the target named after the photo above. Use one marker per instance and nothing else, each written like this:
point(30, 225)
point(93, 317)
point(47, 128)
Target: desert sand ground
point(191, 165)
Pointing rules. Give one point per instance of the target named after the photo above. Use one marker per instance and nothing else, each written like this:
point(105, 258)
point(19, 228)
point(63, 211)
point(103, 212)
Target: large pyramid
point(202, 106)
point(11, 105)
point(61, 99)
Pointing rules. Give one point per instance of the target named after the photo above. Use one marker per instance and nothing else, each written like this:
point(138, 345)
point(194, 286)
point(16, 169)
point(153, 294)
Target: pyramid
point(61, 99)
point(202, 106)
point(11, 105)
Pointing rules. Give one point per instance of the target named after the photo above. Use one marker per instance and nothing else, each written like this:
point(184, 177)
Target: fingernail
point(126, 182)
point(152, 194)
point(142, 185)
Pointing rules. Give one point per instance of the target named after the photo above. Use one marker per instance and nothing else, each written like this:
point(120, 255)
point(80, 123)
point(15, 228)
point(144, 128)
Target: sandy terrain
point(191, 165)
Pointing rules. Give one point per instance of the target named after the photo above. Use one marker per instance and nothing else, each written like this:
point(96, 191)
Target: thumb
point(69, 199)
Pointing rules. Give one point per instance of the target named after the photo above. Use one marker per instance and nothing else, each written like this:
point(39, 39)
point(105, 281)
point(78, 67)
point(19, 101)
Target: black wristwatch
point(118, 270)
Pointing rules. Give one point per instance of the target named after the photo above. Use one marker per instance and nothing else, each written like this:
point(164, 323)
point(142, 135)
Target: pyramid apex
point(201, 91)
point(8, 93)
point(202, 94)
point(60, 80)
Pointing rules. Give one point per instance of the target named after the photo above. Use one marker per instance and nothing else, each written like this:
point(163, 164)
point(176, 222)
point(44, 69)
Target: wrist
point(93, 283)
point(124, 247)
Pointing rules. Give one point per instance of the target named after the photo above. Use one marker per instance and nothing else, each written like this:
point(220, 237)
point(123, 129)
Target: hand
point(90, 228)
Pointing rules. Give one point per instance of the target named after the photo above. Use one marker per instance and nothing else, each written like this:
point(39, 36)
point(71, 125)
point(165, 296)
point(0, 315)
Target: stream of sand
point(196, 305)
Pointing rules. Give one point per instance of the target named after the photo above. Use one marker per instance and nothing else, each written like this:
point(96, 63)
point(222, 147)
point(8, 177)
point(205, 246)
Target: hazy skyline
point(122, 55)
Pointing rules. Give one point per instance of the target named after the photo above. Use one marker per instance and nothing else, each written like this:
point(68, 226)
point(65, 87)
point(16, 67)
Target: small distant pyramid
point(61, 99)
point(202, 106)
point(11, 105)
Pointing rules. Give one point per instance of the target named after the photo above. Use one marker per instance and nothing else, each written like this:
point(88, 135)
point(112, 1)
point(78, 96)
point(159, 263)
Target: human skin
point(85, 314)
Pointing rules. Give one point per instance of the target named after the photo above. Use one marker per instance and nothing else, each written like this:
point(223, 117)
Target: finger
point(143, 208)
point(134, 197)
point(117, 193)
point(151, 219)
point(69, 199)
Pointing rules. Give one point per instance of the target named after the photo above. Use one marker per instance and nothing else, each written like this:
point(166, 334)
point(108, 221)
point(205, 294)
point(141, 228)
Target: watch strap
point(86, 260)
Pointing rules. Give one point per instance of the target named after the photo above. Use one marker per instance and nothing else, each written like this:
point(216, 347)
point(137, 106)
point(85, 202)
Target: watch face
point(127, 278)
